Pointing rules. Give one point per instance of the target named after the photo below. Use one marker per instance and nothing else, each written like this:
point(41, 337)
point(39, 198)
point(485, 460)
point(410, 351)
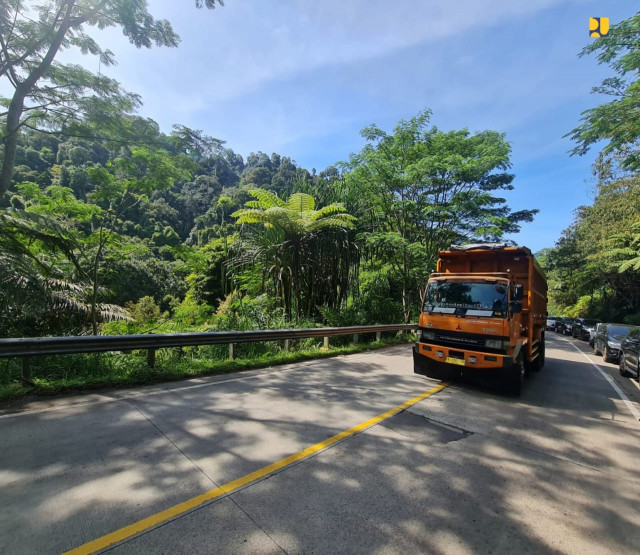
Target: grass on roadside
point(67, 373)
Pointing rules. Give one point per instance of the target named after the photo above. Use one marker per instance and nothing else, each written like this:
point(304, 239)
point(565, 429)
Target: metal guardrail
point(26, 347)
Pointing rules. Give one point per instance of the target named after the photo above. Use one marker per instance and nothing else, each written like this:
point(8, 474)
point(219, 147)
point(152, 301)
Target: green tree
point(126, 183)
point(423, 189)
point(48, 95)
point(44, 285)
point(596, 256)
point(91, 231)
point(617, 121)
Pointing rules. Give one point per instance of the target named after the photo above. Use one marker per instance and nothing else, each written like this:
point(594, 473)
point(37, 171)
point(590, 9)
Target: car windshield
point(468, 298)
point(589, 323)
point(619, 332)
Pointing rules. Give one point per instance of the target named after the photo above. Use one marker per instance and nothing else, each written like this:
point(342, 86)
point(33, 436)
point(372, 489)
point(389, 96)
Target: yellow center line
point(154, 520)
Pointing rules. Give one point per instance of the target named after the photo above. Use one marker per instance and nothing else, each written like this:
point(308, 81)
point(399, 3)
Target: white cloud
point(234, 49)
point(226, 73)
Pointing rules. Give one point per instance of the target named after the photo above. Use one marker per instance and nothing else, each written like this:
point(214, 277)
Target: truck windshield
point(470, 298)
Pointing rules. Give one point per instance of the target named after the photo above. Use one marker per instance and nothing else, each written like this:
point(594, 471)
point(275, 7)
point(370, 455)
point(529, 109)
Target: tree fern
point(300, 248)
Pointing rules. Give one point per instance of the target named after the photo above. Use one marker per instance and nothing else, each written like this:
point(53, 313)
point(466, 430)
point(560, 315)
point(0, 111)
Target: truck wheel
point(539, 362)
point(515, 378)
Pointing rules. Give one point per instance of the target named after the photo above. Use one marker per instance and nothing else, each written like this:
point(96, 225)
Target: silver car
point(593, 331)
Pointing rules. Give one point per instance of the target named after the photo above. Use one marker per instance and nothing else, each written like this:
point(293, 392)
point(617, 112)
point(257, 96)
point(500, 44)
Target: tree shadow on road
point(465, 470)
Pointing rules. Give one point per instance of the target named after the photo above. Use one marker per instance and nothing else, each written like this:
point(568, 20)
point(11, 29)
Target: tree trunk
point(25, 87)
point(94, 278)
point(94, 293)
point(11, 140)
point(286, 293)
point(406, 311)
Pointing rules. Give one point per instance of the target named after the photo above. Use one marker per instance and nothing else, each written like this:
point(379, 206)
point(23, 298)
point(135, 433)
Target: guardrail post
point(378, 336)
point(151, 358)
point(287, 344)
point(355, 338)
point(232, 351)
point(26, 369)
point(326, 341)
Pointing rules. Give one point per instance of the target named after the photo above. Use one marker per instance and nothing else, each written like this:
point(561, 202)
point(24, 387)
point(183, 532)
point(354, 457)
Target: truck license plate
point(458, 361)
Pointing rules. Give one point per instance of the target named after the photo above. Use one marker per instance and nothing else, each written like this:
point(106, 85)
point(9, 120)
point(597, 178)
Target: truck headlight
point(428, 335)
point(493, 343)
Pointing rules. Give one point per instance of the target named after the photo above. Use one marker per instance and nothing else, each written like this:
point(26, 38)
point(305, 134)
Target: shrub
point(144, 310)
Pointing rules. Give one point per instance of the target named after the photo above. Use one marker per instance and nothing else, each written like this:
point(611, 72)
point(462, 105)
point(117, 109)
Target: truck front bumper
point(441, 362)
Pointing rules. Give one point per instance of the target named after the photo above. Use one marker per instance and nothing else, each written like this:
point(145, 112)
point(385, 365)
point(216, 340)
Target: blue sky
point(302, 77)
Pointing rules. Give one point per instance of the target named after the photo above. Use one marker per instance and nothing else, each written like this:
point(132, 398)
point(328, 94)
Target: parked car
point(608, 339)
point(565, 325)
point(630, 354)
point(576, 330)
point(551, 323)
point(583, 327)
point(594, 332)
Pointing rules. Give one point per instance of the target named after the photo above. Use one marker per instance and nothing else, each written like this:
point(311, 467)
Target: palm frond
point(334, 208)
point(631, 264)
point(110, 312)
point(250, 216)
point(301, 202)
point(343, 221)
point(267, 199)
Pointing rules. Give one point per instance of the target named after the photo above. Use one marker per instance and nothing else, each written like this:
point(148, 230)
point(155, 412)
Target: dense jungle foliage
point(109, 225)
point(594, 268)
point(179, 232)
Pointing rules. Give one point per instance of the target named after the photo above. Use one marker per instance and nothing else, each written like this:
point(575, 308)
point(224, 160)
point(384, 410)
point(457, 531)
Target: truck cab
point(484, 310)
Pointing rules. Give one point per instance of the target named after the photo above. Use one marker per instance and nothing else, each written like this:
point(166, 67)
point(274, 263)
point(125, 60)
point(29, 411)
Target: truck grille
point(463, 340)
point(459, 339)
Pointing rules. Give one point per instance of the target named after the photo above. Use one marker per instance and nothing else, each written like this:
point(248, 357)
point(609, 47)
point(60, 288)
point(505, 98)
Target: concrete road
point(464, 470)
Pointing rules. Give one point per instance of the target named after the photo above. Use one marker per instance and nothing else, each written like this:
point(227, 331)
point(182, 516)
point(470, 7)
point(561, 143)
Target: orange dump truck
point(484, 312)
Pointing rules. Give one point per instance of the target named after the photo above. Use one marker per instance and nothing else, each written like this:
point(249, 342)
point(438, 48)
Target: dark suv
point(608, 339)
point(582, 327)
point(630, 354)
point(565, 326)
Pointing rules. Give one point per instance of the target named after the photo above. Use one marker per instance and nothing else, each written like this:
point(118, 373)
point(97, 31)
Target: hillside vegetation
point(108, 225)
point(594, 268)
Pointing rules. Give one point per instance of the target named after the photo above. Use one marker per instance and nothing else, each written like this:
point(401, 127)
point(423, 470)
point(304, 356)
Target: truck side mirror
point(518, 293)
point(515, 307)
